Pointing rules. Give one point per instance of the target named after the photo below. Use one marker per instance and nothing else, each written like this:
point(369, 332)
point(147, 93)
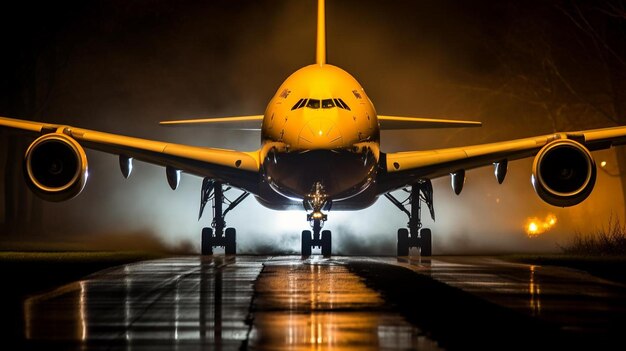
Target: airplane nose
point(320, 133)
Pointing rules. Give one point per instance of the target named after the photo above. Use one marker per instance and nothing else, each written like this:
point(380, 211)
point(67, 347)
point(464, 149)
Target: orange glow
point(535, 227)
point(534, 289)
point(316, 305)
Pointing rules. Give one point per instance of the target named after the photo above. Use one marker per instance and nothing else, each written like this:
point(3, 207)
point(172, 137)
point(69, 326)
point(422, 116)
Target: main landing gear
point(317, 202)
point(415, 235)
point(218, 235)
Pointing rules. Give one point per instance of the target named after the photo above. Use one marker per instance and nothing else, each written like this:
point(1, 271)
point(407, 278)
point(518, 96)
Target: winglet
point(320, 57)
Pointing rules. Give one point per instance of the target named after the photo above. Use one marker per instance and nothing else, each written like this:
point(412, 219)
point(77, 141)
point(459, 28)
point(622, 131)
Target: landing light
point(603, 164)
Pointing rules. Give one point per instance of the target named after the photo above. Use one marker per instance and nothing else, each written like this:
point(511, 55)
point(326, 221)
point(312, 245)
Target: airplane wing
point(237, 122)
point(239, 169)
point(403, 168)
point(397, 122)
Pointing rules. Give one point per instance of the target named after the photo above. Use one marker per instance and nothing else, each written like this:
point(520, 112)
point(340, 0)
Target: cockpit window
point(324, 103)
point(344, 104)
point(313, 103)
point(328, 103)
point(297, 104)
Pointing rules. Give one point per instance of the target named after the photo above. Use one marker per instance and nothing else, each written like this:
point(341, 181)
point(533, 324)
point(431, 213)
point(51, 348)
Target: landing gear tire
point(207, 241)
point(326, 243)
point(421, 191)
point(230, 247)
point(218, 235)
point(403, 242)
point(426, 242)
point(306, 243)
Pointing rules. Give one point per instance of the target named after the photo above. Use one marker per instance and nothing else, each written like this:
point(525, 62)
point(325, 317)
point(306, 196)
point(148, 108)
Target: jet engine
point(564, 173)
point(55, 167)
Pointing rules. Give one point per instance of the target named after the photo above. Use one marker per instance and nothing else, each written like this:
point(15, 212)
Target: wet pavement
point(220, 303)
point(278, 303)
point(189, 301)
point(572, 300)
point(318, 304)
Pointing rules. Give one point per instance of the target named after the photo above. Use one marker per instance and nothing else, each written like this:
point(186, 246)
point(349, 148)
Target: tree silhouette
point(34, 55)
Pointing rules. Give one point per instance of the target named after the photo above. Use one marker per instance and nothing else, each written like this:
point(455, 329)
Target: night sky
point(523, 68)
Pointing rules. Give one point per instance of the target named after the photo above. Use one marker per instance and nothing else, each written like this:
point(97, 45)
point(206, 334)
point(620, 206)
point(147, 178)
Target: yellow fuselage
point(320, 128)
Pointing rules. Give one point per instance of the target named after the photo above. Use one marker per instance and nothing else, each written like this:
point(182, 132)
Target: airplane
point(320, 151)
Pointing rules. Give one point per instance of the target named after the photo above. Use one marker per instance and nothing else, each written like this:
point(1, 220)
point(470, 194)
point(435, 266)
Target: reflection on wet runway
point(196, 303)
point(221, 303)
point(318, 304)
point(182, 301)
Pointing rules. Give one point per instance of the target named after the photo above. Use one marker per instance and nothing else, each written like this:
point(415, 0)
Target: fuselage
point(320, 131)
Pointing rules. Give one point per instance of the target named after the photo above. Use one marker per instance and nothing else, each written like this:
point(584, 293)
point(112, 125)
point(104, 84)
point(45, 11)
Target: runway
point(570, 299)
point(275, 303)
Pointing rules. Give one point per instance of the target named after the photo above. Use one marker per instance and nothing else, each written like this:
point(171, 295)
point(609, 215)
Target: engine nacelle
point(564, 173)
point(55, 167)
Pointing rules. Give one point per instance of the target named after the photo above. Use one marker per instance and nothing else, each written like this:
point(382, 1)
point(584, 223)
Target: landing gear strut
point(317, 202)
point(415, 235)
point(218, 235)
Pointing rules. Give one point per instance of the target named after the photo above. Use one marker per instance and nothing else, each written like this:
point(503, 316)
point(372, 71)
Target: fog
point(134, 65)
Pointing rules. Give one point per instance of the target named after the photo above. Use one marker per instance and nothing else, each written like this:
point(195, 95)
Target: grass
point(601, 253)
point(606, 241)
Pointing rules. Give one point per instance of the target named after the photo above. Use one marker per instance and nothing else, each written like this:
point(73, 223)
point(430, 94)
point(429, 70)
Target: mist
point(132, 64)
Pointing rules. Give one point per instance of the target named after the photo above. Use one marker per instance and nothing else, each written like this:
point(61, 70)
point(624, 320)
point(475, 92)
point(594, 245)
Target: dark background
point(523, 68)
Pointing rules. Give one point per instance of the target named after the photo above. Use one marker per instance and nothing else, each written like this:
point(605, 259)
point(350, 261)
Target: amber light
point(535, 226)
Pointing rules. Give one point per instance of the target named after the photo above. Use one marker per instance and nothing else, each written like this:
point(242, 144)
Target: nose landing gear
point(311, 240)
point(415, 235)
point(317, 201)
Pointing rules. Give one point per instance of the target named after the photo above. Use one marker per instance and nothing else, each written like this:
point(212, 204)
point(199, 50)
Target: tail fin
point(320, 56)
